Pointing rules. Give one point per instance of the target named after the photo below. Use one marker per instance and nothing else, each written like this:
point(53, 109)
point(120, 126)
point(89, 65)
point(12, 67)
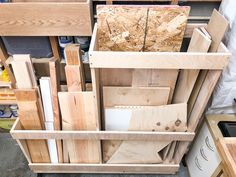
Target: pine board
point(78, 114)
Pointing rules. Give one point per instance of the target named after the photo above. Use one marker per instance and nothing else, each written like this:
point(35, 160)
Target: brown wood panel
point(36, 19)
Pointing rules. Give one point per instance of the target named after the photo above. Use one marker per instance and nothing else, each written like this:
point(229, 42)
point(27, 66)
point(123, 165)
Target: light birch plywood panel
point(124, 119)
point(77, 109)
point(139, 96)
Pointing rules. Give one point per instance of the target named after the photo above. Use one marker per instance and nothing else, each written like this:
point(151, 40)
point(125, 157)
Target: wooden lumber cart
point(117, 75)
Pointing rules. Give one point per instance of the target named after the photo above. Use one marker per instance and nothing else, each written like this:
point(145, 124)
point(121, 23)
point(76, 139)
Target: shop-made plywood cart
point(199, 71)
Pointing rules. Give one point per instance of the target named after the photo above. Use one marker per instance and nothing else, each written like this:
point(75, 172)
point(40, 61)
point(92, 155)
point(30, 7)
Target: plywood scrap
point(78, 114)
point(138, 152)
point(155, 78)
point(123, 119)
point(139, 96)
point(146, 28)
point(116, 77)
point(121, 28)
point(165, 28)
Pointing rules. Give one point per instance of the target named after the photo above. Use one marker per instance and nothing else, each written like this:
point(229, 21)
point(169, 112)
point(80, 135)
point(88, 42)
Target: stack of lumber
point(77, 109)
point(30, 106)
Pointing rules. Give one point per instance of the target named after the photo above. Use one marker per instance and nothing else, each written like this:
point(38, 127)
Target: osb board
point(141, 28)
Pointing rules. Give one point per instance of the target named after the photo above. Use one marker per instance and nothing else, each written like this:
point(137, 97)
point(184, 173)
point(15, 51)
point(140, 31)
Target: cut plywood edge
point(139, 96)
point(78, 114)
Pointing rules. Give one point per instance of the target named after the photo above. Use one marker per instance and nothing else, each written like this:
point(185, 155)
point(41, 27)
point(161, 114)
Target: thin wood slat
point(68, 19)
point(55, 87)
point(199, 43)
point(105, 168)
point(18, 133)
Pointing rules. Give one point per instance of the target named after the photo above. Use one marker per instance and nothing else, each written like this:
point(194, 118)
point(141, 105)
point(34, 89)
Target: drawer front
point(203, 158)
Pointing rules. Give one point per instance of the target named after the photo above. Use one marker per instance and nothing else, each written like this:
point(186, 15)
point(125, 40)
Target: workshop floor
point(14, 164)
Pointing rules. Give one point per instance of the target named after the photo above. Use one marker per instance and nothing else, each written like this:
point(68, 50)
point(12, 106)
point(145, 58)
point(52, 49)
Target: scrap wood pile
point(150, 100)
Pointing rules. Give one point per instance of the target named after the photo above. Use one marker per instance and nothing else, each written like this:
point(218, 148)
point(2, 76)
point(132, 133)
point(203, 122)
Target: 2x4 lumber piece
point(74, 68)
point(30, 117)
point(54, 65)
point(24, 71)
point(78, 114)
point(55, 47)
point(106, 168)
point(135, 96)
point(74, 19)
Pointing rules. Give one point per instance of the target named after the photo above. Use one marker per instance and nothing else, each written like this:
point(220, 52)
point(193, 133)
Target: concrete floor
point(14, 164)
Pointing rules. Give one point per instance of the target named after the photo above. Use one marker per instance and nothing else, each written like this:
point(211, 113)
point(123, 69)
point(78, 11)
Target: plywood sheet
point(78, 114)
point(141, 28)
point(139, 96)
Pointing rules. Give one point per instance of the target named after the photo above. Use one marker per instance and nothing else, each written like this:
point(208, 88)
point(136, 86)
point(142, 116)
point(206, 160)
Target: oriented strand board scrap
point(165, 29)
point(121, 28)
point(146, 28)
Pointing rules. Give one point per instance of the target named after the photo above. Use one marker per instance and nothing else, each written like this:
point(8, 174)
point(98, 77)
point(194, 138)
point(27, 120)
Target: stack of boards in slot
point(140, 99)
